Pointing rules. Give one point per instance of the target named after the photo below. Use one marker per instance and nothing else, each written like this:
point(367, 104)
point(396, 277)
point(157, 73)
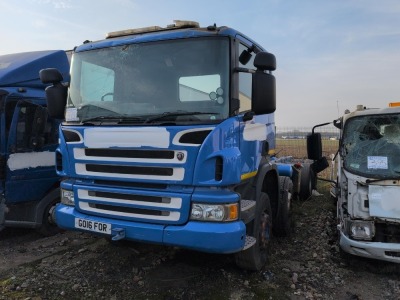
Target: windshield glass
point(177, 81)
point(371, 146)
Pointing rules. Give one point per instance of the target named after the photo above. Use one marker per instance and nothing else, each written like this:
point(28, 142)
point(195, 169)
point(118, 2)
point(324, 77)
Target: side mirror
point(263, 93)
point(56, 94)
point(314, 146)
point(50, 75)
point(263, 84)
point(314, 143)
point(265, 61)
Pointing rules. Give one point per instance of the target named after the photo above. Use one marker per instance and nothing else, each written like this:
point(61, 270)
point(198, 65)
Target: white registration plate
point(93, 226)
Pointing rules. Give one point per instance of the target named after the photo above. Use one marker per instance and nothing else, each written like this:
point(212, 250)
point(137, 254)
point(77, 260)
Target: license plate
point(93, 226)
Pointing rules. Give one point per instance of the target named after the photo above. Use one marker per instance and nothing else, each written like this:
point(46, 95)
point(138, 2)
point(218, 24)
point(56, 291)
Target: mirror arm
point(319, 125)
point(243, 70)
point(248, 116)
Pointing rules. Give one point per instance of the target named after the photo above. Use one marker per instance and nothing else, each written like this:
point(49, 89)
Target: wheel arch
point(267, 181)
point(53, 194)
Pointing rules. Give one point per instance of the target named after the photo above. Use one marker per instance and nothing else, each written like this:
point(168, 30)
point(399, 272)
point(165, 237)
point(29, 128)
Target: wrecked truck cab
point(367, 187)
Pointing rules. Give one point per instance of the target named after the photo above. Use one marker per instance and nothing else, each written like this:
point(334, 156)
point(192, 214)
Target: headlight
point(67, 197)
point(216, 213)
point(362, 230)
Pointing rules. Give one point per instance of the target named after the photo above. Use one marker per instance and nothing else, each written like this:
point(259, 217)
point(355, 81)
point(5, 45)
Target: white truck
point(367, 187)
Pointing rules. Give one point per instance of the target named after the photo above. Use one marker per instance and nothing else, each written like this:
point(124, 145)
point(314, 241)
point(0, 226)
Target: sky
point(331, 55)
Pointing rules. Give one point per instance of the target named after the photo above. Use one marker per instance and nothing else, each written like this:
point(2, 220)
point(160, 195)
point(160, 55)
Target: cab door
point(32, 141)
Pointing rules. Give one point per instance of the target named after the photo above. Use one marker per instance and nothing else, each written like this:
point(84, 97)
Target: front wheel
point(48, 226)
point(255, 257)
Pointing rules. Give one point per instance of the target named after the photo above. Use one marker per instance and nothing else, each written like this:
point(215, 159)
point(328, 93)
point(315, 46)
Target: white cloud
point(58, 4)
point(39, 23)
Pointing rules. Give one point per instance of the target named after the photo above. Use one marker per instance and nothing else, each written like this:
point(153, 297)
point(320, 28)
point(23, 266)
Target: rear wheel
point(255, 257)
point(282, 222)
point(307, 182)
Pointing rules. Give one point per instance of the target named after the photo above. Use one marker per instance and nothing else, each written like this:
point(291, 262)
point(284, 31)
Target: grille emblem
point(180, 156)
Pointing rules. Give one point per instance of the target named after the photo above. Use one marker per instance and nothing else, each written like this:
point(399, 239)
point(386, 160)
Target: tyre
point(255, 257)
point(282, 222)
point(307, 182)
point(48, 226)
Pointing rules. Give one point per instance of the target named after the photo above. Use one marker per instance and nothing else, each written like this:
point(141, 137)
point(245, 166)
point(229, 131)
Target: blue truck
point(168, 137)
point(29, 186)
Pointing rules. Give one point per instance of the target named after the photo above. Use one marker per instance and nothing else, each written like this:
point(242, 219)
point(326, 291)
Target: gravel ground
point(306, 265)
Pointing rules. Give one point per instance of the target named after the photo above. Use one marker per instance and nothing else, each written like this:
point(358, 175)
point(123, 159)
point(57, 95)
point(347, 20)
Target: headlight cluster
point(362, 230)
point(216, 213)
point(67, 197)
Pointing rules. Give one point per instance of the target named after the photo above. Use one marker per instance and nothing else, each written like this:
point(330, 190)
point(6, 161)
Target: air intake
point(195, 137)
point(219, 168)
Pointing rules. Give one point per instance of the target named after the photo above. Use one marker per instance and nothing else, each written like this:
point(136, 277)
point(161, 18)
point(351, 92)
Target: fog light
point(362, 230)
point(67, 197)
point(215, 213)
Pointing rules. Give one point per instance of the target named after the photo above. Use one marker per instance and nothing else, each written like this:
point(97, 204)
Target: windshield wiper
point(368, 181)
point(116, 119)
point(381, 179)
point(177, 114)
point(90, 106)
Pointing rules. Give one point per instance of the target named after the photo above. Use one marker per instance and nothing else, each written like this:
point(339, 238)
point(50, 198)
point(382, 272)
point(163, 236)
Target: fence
point(293, 142)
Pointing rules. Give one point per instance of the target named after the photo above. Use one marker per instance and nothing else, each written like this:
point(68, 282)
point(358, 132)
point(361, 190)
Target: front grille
point(128, 197)
point(121, 153)
point(160, 165)
point(130, 210)
point(133, 206)
point(130, 170)
point(387, 233)
point(127, 184)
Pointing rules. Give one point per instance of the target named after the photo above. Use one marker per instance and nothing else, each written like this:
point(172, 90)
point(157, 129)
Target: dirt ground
point(306, 265)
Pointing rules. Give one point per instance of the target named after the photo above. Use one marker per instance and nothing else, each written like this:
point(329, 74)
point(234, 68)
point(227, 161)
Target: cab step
point(247, 210)
point(250, 241)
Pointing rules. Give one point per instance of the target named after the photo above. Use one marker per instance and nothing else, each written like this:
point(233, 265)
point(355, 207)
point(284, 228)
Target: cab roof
point(22, 69)
point(179, 30)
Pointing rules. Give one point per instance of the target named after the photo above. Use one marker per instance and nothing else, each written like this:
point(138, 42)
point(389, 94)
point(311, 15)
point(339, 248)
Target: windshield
point(179, 81)
point(371, 146)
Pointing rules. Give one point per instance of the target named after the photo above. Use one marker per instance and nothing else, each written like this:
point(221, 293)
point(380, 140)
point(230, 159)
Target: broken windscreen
point(371, 146)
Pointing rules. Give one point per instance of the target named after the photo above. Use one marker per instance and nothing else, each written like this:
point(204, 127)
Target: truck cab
point(167, 139)
point(367, 187)
point(29, 185)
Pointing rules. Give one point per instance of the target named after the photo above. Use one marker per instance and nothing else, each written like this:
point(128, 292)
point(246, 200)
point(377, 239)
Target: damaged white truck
point(367, 187)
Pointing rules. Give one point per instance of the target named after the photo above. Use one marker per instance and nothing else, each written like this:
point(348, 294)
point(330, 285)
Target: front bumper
point(201, 236)
point(383, 251)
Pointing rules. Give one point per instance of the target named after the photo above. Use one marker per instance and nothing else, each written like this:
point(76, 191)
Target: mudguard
point(267, 181)
point(270, 187)
point(40, 209)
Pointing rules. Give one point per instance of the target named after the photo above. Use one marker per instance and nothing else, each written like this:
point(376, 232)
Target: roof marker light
point(178, 24)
